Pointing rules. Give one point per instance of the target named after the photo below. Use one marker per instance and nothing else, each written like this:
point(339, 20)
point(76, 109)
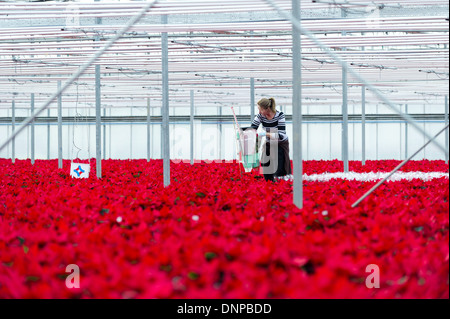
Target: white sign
point(79, 170)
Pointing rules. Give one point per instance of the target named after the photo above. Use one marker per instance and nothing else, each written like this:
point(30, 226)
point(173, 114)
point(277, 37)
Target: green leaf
point(200, 194)
point(166, 268)
point(210, 255)
point(420, 228)
point(32, 278)
point(25, 249)
point(192, 275)
point(21, 239)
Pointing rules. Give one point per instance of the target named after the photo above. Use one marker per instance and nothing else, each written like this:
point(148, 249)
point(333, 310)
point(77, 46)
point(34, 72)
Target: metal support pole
point(98, 20)
point(32, 129)
point(98, 122)
point(363, 124)
point(148, 129)
point(48, 135)
point(344, 108)
point(104, 134)
point(13, 128)
point(252, 98)
point(406, 133)
point(330, 135)
point(60, 162)
point(7, 135)
point(131, 134)
point(376, 136)
point(191, 123)
point(446, 132)
point(297, 109)
point(28, 139)
point(424, 139)
point(109, 135)
point(220, 133)
point(165, 103)
point(396, 169)
point(307, 134)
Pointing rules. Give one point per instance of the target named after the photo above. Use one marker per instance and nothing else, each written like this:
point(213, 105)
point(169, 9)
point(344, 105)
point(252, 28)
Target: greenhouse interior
point(135, 138)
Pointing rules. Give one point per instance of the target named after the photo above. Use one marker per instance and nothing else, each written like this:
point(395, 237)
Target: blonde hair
point(268, 104)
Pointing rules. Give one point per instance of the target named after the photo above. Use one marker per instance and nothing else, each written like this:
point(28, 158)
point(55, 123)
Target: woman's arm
point(256, 122)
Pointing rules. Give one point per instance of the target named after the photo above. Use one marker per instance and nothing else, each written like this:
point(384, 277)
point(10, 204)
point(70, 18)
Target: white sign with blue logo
point(79, 170)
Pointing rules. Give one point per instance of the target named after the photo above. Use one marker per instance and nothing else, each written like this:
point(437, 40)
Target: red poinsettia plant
point(217, 232)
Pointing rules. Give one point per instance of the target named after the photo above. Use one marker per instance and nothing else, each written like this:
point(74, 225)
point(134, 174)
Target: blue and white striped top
point(278, 121)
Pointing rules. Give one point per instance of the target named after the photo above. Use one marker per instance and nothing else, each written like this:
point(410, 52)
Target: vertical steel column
point(48, 134)
point(307, 134)
point(191, 123)
point(109, 135)
point(60, 162)
point(406, 133)
point(7, 135)
point(69, 145)
point(13, 128)
point(98, 122)
point(344, 108)
point(424, 139)
point(148, 129)
point(32, 129)
point(376, 135)
point(330, 133)
point(252, 98)
point(252, 93)
point(297, 108)
point(400, 137)
point(104, 134)
point(446, 132)
point(363, 124)
point(165, 103)
point(220, 132)
point(131, 133)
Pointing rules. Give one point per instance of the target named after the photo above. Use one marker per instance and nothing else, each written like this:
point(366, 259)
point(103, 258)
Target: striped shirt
point(278, 121)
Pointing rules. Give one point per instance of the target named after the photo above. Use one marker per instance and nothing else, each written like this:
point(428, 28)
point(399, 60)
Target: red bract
point(217, 232)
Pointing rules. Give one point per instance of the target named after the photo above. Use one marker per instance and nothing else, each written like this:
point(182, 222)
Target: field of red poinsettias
point(218, 233)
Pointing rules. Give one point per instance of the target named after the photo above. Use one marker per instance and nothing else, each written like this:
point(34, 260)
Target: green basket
point(250, 161)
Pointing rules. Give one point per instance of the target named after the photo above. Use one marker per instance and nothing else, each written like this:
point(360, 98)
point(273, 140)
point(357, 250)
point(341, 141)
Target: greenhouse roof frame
point(221, 57)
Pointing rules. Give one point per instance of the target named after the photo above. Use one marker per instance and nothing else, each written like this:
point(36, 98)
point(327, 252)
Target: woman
point(276, 149)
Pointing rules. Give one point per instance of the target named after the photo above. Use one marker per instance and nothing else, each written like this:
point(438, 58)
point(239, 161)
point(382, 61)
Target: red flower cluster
point(216, 232)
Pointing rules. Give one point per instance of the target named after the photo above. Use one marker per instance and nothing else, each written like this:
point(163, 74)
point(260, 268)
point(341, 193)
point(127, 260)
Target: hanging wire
point(75, 125)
